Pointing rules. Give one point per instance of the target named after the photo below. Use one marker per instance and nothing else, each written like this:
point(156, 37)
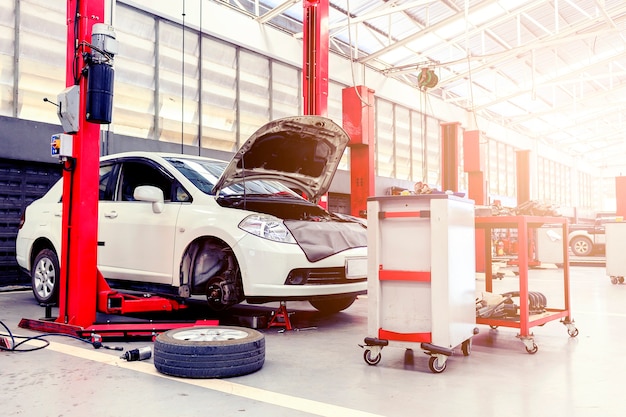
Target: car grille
point(319, 276)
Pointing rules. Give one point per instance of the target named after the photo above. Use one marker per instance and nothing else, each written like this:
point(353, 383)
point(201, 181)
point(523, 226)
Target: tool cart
point(421, 276)
point(527, 318)
point(615, 259)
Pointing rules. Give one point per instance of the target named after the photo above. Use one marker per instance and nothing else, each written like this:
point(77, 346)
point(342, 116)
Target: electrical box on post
point(67, 110)
point(61, 145)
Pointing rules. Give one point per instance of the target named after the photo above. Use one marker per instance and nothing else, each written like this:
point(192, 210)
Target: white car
point(186, 225)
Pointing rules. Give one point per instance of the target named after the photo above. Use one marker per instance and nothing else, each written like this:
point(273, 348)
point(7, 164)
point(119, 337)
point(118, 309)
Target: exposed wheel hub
point(220, 294)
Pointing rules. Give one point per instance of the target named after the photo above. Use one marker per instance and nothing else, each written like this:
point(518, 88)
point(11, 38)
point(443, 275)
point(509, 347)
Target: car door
point(135, 243)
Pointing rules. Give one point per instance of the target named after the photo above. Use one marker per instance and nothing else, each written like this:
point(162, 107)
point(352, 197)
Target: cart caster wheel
point(466, 347)
point(572, 332)
point(367, 356)
point(613, 280)
point(493, 327)
point(436, 366)
point(620, 280)
point(532, 350)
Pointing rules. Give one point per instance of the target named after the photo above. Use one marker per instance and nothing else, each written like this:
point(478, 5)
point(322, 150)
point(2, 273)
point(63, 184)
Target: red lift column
point(77, 304)
point(358, 122)
point(315, 61)
point(315, 89)
point(620, 196)
point(474, 165)
point(83, 289)
point(450, 156)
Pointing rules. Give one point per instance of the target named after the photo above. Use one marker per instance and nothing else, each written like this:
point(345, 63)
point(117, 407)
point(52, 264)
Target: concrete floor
point(321, 371)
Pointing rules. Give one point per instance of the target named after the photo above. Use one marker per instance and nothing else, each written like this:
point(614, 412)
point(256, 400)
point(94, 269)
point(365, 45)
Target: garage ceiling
point(554, 70)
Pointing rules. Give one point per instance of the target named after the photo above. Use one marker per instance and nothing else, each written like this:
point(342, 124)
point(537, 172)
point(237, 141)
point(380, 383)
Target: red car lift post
point(315, 87)
point(83, 289)
point(315, 59)
point(358, 122)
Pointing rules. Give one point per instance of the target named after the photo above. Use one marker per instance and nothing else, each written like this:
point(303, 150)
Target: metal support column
point(80, 180)
point(358, 122)
point(315, 62)
point(620, 196)
point(474, 166)
point(450, 156)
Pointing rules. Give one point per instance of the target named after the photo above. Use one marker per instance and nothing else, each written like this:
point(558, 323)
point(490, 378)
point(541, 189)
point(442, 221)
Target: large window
point(501, 172)
point(135, 82)
point(7, 53)
point(285, 91)
point(335, 112)
point(41, 64)
point(219, 98)
point(178, 73)
point(402, 130)
point(555, 184)
point(254, 93)
point(418, 147)
point(433, 152)
point(384, 139)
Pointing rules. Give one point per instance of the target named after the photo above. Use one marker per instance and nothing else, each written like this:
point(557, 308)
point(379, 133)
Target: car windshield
point(204, 175)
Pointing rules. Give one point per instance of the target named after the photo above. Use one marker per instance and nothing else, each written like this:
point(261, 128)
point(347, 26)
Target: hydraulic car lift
point(84, 291)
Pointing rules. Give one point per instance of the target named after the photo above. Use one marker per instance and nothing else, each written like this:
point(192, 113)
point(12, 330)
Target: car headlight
point(267, 227)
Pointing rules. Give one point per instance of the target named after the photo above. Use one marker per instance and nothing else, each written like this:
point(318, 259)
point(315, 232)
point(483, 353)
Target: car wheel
point(334, 304)
point(45, 277)
point(209, 351)
point(581, 246)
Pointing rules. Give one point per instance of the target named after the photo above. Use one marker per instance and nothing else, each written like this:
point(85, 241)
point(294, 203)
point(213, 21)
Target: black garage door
point(20, 183)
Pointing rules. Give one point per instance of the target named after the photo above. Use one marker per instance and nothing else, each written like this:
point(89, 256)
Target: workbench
point(526, 226)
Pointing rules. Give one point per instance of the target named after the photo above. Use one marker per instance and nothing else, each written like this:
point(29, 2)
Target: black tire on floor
point(209, 351)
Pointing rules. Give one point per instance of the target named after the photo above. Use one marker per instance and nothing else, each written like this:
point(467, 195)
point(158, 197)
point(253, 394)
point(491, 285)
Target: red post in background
point(358, 122)
point(315, 60)
point(450, 156)
point(77, 299)
point(474, 166)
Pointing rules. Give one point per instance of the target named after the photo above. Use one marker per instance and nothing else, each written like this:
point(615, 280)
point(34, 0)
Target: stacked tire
point(209, 351)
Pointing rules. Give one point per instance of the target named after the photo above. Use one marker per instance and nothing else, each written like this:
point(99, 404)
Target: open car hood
point(302, 152)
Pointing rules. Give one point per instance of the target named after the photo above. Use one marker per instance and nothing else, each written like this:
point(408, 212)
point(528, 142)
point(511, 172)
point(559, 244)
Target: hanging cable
point(423, 134)
point(200, 88)
point(352, 58)
point(182, 93)
point(15, 346)
point(469, 65)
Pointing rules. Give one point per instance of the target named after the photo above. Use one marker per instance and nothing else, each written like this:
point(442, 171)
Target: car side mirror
point(151, 194)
